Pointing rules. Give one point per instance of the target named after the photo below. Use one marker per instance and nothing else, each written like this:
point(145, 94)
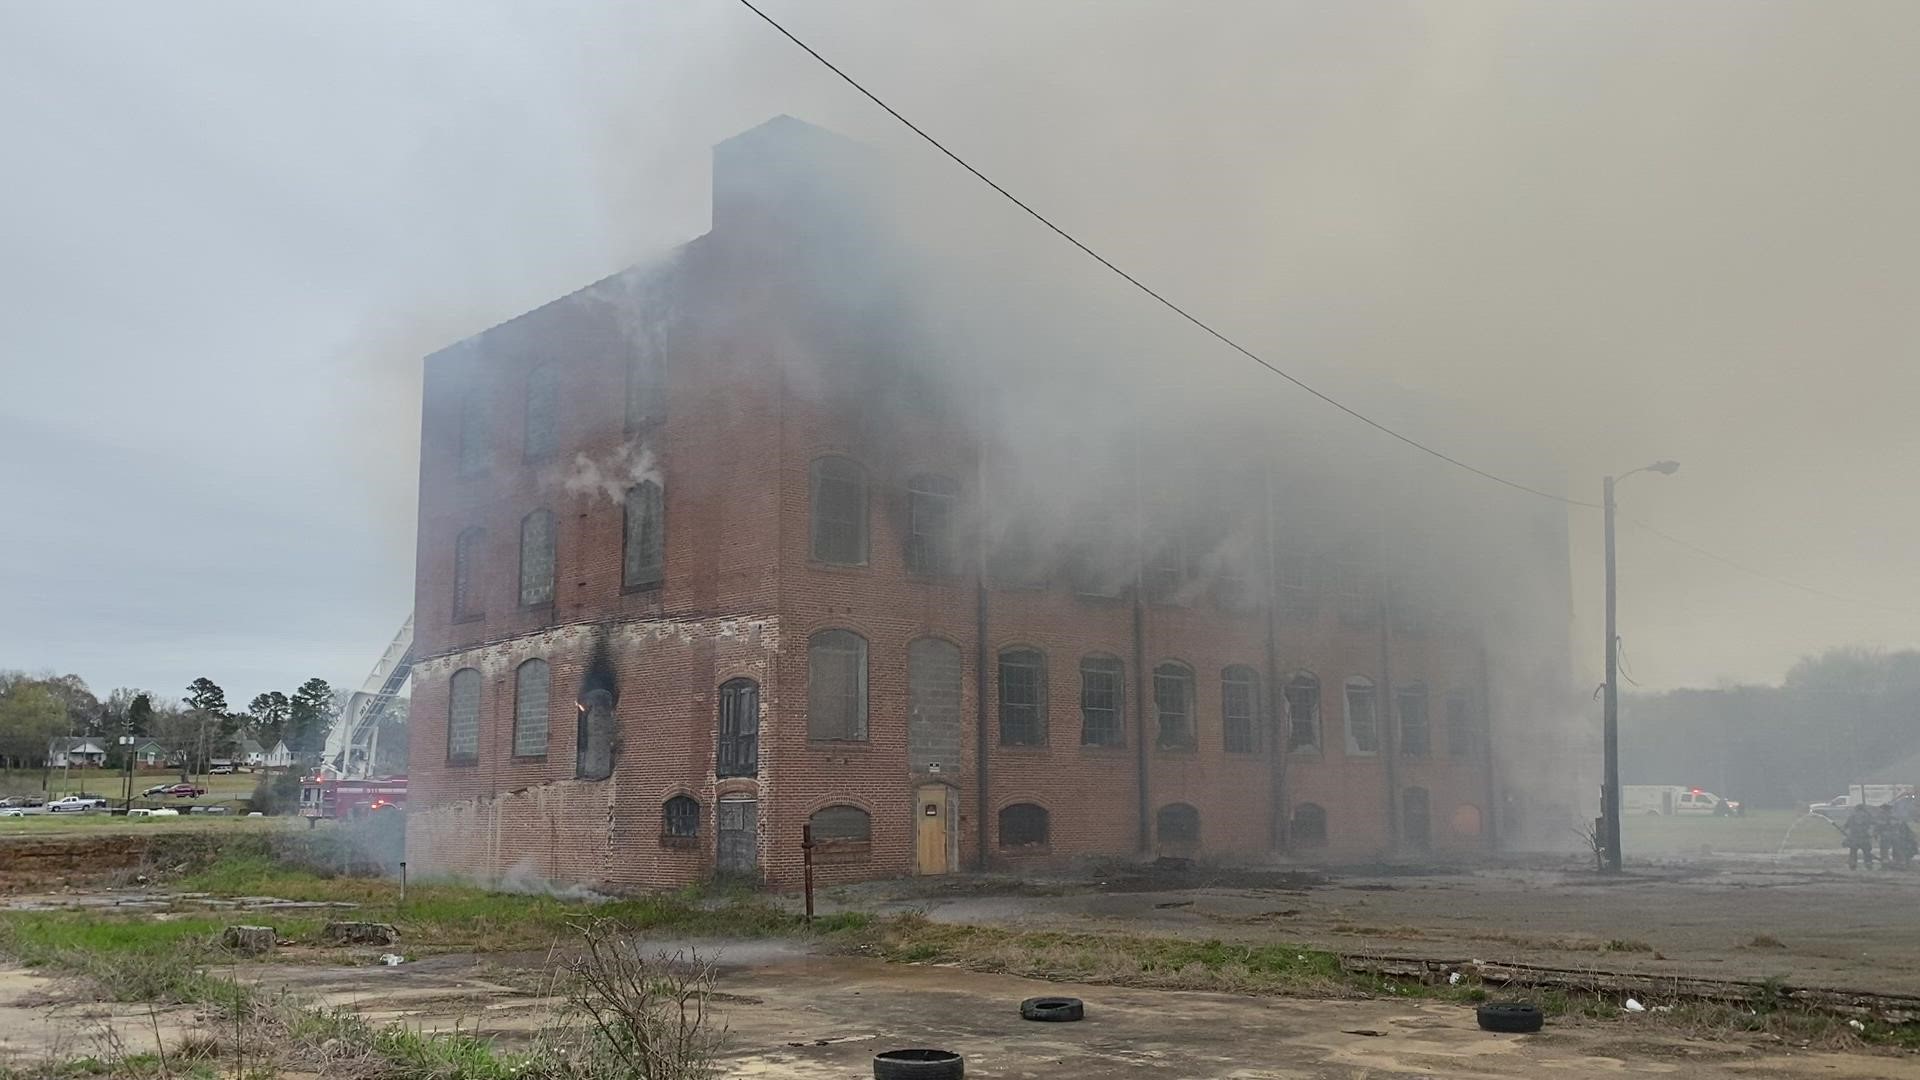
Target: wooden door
point(932, 817)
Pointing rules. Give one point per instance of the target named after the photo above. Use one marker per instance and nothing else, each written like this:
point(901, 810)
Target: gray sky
point(1625, 230)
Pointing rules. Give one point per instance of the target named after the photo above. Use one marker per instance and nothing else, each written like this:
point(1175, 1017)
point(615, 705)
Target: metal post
point(403, 881)
point(806, 867)
point(1610, 731)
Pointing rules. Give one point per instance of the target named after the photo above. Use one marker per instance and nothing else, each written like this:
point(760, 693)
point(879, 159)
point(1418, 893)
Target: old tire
point(1054, 1009)
point(1513, 1017)
point(918, 1065)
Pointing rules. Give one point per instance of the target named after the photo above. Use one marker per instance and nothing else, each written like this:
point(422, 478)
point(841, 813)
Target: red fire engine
point(339, 798)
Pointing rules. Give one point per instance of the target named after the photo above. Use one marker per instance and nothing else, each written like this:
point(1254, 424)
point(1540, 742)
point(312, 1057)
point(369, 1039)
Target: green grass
point(1757, 832)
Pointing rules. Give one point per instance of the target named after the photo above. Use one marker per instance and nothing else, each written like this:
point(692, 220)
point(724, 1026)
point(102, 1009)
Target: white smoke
point(630, 463)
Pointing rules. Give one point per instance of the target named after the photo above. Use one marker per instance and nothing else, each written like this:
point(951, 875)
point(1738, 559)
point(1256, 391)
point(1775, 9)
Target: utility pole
point(1610, 730)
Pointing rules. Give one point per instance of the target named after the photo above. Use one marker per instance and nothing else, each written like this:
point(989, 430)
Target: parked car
point(221, 770)
point(76, 804)
point(15, 801)
point(21, 811)
point(142, 812)
point(185, 791)
point(158, 789)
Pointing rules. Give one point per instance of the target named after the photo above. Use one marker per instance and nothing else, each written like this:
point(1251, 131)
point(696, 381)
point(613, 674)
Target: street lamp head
point(1665, 468)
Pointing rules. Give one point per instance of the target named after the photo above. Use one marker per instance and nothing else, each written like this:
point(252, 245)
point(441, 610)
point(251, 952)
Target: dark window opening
point(1177, 823)
point(680, 818)
point(1416, 738)
point(1173, 705)
point(839, 512)
point(1416, 825)
point(1023, 698)
point(473, 433)
point(543, 413)
point(1363, 722)
point(1309, 825)
point(466, 572)
point(1303, 713)
point(843, 823)
point(1023, 825)
point(1164, 572)
point(463, 717)
point(837, 685)
point(645, 541)
point(536, 559)
point(1460, 727)
point(1100, 701)
point(1016, 562)
point(738, 751)
point(593, 759)
point(531, 684)
point(1096, 564)
point(930, 525)
point(1239, 710)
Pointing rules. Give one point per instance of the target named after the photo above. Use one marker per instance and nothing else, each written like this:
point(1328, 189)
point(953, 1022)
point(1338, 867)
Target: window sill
point(643, 586)
point(839, 744)
point(838, 568)
point(1016, 851)
point(1246, 752)
point(754, 775)
point(1184, 749)
point(1023, 747)
point(682, 843)
point(462, 762)
point(528, 759)
point(543, 607)
point(1103, 747)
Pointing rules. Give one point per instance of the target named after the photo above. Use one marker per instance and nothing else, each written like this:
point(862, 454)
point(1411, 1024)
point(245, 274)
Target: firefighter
point(1883, 834)
point(1859, 836)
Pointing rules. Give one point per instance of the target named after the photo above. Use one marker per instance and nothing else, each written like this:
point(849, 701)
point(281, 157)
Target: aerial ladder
point(353, 743)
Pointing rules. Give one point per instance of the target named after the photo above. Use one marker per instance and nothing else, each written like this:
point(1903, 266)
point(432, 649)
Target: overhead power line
point(1763, 575)
point(1150, 291)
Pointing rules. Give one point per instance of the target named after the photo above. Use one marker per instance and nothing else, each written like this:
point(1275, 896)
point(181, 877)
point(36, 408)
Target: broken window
point(1173, 705)
point(593, 758)
point(466, 572)
point(1415, 822)
point(1416, 738)
point(837, 685)
point(1309, 825)
point(1303, 712)
point(530, 696)
point(1239, 709)
point(839, 512)
point(473, 433)
point(1177, 823)
point(536, 558)
point(1023, 825)
point(463, 717)
point(738, 752)
point(843, 823)
point(645, 399)
point(1023, 697)
point(543, 412)
point(1100, 698)
point(930, 525)
point(645, 543)
point(680, 818)
point(1460, 726)
point(1363, 721)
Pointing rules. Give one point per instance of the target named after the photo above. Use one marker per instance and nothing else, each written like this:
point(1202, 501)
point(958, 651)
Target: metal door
point(739, 852)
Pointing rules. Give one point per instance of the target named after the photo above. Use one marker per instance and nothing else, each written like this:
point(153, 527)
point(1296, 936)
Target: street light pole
point(1610, 780)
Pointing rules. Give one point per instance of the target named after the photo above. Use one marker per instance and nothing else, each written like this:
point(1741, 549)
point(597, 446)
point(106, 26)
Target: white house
point(279, 757)
point(251, 753)
point(80, 750)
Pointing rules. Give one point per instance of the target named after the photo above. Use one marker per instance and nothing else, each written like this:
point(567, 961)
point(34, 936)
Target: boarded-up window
point(1023, 825)
point(1363, 721)
point(1023, 698)
point(1239, 709)
point(1416, 817)
point(543, 412)
point(646, 525)
point(1173, 704)
point(1303, 713)
point(1460, 726)
point(530, 697)
point(467, 551)
point(930, 525)
point(933, 704)
point(841, 823)
point(1177, 823)
point(1100, 702)
point(680, 818)
point(839, 512)
point(473, 433)
point(593, 738)
point(536, 558)
point(1309, 825)
point(738, 751)
point(463, 717)
point(836, 685)
point(1416, 738)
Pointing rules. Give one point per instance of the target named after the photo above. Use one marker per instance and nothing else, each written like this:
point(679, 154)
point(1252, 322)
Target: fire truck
point(343, 786)
point(333, 797)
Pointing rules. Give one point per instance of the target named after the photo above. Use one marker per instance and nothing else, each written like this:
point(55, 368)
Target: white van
point(1669, 800)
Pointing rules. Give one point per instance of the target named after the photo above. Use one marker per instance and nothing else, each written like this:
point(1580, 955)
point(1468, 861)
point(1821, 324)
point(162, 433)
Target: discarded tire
point(1053, 1008)
point(1515, 1017)
point(919, 1065)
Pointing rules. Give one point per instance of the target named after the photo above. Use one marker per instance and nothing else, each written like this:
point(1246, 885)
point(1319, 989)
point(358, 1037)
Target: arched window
point(1466, 821)
point(680, 818)
point(1177, 823)
point(1239, 709)
point(1303, 712)
point(646, 536)
point(933, 704)
point(1363, 720)
point(1100, 702)
point(530, 697)
point(473, 432)
point(1415, 820)
point(1416, 737)
point(839, 512)
point(1023, 697)
point(837, 685)
point(930, 525)
point(1173, 704)
point(536, 558)
point(463, 717)
point(1309, 825)
point(848, 824)
point(543, 412)
point(738, 752)
point(1460, 726)
point(1023, 825)
point(466, 572)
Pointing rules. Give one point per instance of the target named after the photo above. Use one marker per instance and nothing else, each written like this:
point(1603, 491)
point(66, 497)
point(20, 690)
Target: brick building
point(704, 558)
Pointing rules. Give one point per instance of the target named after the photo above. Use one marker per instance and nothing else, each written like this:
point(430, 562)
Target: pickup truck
point(73, 804)
point(185, 791)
